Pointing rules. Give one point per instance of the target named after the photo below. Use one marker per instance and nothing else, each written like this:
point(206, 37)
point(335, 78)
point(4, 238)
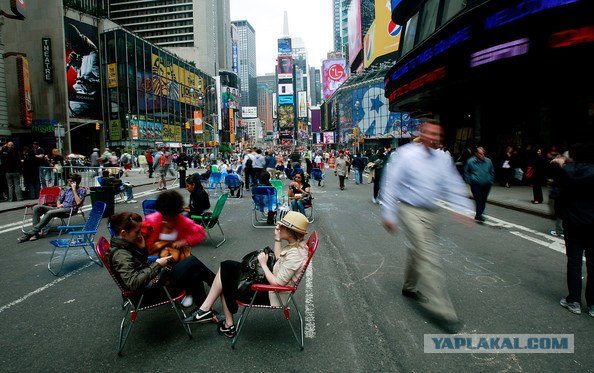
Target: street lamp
point(130, 118)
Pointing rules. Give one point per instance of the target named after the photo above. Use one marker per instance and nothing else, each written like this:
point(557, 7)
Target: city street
point(504, 277)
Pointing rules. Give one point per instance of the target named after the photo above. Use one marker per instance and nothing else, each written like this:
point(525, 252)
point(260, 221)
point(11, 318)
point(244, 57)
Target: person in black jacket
point(576, 183)
point(12, 167)
point(199, 201)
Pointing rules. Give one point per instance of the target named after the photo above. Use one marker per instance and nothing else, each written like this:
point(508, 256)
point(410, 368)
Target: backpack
point(248, 163)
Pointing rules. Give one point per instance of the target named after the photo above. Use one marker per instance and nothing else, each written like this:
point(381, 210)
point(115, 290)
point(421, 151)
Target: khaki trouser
point(424, 271)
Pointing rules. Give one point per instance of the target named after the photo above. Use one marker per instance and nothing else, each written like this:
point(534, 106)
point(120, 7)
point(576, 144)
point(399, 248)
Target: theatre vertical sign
point(46, 50)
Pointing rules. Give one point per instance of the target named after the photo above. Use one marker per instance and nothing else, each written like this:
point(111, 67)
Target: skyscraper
point(246, 56)
point(195, 30)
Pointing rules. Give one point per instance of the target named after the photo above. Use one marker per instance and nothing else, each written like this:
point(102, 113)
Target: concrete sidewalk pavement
point(518, 197)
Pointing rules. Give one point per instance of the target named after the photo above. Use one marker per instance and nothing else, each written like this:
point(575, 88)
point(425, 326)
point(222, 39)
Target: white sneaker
point(188, 301)
point(131, 201)
point(374, 200)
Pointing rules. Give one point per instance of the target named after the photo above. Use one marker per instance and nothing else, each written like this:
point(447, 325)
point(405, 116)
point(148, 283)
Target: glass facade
point(150, 95)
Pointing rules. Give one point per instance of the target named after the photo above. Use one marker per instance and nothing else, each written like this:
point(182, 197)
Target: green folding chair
point(211, 218)
point(278, 185)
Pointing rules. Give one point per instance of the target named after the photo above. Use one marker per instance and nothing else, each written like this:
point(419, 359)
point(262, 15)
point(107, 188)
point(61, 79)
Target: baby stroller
point(317, 175)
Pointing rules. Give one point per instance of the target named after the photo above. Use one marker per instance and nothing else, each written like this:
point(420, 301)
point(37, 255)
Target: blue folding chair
point(234, 185)
point(149, 206)
point(318, 175)
point(214, 182)
point(265, 201)
point(78, 236)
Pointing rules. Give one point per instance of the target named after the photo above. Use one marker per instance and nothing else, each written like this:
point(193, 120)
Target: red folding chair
point(133, 301)
point(47, 196)
point(312, 245)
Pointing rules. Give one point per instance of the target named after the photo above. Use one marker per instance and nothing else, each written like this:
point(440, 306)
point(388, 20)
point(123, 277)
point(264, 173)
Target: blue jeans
point(297, 205)
point(358, 176)
point(128, 190)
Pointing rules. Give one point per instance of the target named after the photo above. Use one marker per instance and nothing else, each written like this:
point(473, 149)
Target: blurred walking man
point(414, 179)
point(480, 175)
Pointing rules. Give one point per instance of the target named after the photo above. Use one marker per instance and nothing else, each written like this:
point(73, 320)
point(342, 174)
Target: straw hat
point(295, 221)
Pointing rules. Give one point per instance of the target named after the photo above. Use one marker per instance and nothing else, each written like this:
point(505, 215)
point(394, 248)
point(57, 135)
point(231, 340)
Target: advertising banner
point(232, 126)
point(274, 106)
point(230, 98)
point(25, 104)
point(354, 32)
point(383, 37)
point(286, 100)
point(112, 75)
point(286, 117)
point(333, 75)
point(249, 112)
point(115, 130)
point(284, 46)
point(198, 125)
point(285, 89)
point(82, 69)
point(302, 104)
point(285, 67)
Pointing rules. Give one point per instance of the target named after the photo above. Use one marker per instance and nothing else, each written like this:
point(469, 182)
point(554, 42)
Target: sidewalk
point(515, 198)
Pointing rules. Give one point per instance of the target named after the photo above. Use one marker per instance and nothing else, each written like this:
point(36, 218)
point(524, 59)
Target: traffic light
point(97, 126)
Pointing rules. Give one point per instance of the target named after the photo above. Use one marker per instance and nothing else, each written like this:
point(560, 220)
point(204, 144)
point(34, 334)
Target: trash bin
point(104, 194)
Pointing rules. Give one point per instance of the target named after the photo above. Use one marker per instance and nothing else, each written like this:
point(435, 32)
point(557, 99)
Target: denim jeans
point(13, 179)
point(358, 176)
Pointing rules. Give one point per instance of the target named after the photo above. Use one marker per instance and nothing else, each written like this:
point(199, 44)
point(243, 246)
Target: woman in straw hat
point(290, 260)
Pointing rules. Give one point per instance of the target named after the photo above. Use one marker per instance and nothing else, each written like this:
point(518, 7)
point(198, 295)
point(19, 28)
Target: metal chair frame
point(209, 219)
point(130, 307)
point(312, 245)
point(78, 236)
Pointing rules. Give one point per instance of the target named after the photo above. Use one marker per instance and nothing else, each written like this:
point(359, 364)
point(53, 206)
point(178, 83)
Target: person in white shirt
point(416, 176)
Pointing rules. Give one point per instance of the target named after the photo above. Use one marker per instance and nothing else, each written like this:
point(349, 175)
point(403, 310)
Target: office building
point(194, 30)
point(246, 68)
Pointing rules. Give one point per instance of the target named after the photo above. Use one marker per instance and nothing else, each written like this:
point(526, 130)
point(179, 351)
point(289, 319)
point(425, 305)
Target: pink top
point(186, 229)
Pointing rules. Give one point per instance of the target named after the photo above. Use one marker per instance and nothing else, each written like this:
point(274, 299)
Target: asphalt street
point(504, 277)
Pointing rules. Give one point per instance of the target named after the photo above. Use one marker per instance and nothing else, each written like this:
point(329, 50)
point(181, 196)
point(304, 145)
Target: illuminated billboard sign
point(333, 75)
point(285, 67)
point(285, 89)
point(286, 118)
point(249, 112)
point(25, 103)
point(284, 46)
point(286, 100)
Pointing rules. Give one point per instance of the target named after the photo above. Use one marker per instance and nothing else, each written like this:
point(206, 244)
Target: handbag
point(250, 271)
point(529, 172)
point(164, 248)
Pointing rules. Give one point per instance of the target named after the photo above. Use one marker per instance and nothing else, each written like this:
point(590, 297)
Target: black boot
point(271, 217)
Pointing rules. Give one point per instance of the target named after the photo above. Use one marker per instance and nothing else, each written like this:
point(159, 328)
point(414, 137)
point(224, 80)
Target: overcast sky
point(309, 19)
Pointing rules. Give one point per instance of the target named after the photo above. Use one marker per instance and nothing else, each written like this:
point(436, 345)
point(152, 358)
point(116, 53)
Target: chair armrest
point(81, 232)
point(206, 215)
point(67, 227)
point(266, 287)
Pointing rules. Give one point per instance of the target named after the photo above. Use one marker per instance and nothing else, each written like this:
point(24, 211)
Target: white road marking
point(44, 287)
point(310, 317)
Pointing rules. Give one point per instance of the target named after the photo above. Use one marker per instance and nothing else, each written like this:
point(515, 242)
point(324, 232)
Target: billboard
point(82, 69)
point(285, 89)
point(284, 46)
point(230, 98)
point(383, 37)
point(354, 32)
point(286, 100)
point(274, 105)
point(198, 124)
point(285, 67)
point(302, 104)
point(333, 75)
point(249, 112)
point(286, 118)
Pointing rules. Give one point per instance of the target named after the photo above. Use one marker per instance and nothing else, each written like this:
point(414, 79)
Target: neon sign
point(421, 81)
point(438, 48)
point(499, 52)
point(522, 10)
point(571, 37)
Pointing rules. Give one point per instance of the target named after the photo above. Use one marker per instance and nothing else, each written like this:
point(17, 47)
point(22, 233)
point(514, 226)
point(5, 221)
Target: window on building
point(409, 34)
point(429, 20)
point(451, 8)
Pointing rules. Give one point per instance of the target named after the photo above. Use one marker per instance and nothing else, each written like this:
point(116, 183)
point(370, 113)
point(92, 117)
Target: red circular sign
point(336, 72)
